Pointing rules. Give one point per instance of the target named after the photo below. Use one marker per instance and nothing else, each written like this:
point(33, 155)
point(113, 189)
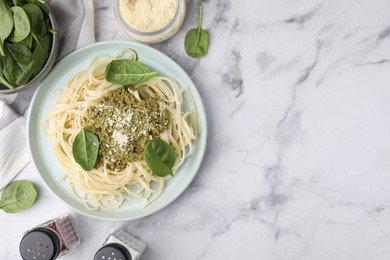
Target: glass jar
point(50, 240)
point(120, 245)
point(155, 36)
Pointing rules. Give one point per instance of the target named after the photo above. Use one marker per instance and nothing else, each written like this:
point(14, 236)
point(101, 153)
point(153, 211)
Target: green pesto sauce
point(124, 125)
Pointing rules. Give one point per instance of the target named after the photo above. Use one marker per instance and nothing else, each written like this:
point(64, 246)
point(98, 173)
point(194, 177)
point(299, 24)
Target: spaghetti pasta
point(103, 187)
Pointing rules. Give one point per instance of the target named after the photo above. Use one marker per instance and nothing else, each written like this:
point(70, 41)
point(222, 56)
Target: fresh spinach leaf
point(36, 1)
point(44, 29)
point(21, 25)
point(17, 196)
point(196, 42)
point(48, 26)
point(28, 41)
point(18, 58)
point(85, 149)
point(160, 157)
point(41, 52)
point(6, 23)
point(26, 75)
point(36, 18)
point(41, 5)
point(19, 2)
point(2, 78)
point(127, 72)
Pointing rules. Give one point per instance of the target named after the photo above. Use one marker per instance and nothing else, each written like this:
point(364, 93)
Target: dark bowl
point(46, 69)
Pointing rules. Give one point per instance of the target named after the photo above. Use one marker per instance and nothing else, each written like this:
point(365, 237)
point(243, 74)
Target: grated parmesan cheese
point(120, 138)
point(147, 15)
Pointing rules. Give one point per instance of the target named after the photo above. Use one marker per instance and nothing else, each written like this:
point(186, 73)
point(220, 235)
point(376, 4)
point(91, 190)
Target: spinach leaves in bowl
point(26, 42)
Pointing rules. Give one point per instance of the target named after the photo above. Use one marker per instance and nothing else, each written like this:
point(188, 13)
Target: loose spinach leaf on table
point(85, 149)
point(17, 196)
point(196, 42)
point(6, 24)
point(126, 72)
point(160, 157)
point(21, 25)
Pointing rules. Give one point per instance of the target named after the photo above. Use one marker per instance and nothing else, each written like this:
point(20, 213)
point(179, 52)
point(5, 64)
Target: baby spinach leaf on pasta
point(127, 72)
point(160, 157)
point(85, 149)
point(6, 23)
point(21, 25)
point(196, 42)
point(17, 196)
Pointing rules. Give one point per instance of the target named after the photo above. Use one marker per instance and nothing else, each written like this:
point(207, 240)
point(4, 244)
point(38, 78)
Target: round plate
point(46, 96)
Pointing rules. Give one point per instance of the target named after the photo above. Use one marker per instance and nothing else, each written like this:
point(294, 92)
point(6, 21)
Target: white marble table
point(297, 95)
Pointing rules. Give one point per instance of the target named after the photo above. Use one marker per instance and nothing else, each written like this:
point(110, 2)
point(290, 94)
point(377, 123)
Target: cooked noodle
point(102, 187)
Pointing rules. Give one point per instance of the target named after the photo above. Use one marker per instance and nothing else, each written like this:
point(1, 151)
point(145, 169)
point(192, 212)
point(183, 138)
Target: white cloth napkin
point(75, 20)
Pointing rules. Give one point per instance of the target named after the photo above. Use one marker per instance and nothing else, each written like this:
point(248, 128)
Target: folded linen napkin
point(75, 20)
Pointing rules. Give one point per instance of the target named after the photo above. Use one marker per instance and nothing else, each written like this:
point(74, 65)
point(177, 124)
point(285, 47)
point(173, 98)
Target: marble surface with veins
point(297, 163)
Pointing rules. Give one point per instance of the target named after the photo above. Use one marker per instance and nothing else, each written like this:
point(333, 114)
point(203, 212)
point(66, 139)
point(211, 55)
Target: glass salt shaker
point(120, 245)
point(49, 240)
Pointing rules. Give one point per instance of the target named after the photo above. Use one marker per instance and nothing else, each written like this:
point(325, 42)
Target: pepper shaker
point(49, 240)
point(120, 245)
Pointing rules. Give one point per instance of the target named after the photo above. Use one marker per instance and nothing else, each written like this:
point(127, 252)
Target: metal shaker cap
point(40, 244)
point(112, 251)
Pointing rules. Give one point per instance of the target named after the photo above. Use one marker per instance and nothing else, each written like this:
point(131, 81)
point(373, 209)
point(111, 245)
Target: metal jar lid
point(40, 244)
point(112, 251)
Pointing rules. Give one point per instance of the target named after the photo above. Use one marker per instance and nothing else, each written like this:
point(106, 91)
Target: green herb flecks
point(196, 42)
point(85, 149)
point(160, 157)
point(17, 196)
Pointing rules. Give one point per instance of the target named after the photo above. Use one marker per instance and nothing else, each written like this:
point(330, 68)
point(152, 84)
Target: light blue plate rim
point(36, 142)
